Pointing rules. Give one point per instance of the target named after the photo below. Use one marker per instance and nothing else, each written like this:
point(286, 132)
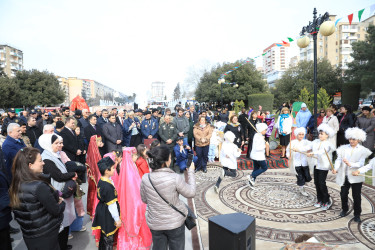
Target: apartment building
point(11, 60)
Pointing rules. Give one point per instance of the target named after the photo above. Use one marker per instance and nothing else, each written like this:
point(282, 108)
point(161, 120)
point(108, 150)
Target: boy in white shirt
point(258, 153)
point(322, 149)
point(349, 163)
point(228, 157)
point(299, 164)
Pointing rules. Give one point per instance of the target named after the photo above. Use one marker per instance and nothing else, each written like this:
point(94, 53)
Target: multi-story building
point(88, 89)
point(11, 60)
point(275, 61)
point(157, 91)
point(338, 47)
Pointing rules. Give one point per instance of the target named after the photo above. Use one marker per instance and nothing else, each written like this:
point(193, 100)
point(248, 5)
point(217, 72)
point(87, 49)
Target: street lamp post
point(221, 94)
point(313, 28)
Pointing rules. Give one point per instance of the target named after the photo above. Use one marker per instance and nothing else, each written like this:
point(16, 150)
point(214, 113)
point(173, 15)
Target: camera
point(190, 160)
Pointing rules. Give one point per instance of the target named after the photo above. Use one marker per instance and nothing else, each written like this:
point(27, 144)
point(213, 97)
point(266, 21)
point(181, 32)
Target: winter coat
point(10, 148)
point(303, 118)
point(112, 132)
point(238, 131)
point(5, 211)
point(127, 132)
point(166, 132)
point(39, 212)
point(334, 124)
point(182, 125)
point(287, 125)
point(202, 135)
point(159, 215)
point(368, 125)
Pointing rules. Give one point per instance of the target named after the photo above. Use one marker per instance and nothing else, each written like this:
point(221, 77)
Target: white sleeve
point(339, 158)
point(114, 212)
point(366, 168)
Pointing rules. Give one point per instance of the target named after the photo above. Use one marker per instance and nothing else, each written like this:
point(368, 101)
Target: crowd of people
point(129, 159)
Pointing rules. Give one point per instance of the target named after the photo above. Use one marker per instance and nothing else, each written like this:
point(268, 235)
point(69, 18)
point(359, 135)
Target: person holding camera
point(160, 186)
point(182, 153)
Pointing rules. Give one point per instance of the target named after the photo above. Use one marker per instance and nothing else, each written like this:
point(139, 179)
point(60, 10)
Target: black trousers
point(63, 238)
point(356, 194)
point(6, 243)
point(135, 140)
point(173, 239)
point(228, 172)
point(106, 242)
point(320, 177)
point(303, 175)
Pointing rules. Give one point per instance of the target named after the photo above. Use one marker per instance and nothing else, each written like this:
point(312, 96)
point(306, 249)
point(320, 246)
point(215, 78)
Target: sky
point(127, 45)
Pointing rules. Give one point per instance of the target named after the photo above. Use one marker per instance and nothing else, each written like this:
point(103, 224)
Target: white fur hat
point(229, 136)
point(261, 127)
point(326, 129)
point(299, 130)
point(355, 133)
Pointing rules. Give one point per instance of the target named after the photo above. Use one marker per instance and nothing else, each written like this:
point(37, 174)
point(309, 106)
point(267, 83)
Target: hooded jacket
point(303, 118)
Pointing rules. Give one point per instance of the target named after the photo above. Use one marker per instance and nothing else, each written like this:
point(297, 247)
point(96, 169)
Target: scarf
point(202, 126)
point(283, 117)
point(234, 124)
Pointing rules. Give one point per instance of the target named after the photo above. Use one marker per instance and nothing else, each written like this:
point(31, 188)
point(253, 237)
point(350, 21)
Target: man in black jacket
point(32, 131)
point(70, 139)
point(92, 128)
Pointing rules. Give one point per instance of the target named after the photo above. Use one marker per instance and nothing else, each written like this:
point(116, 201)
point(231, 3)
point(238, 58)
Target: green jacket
point(168, 131)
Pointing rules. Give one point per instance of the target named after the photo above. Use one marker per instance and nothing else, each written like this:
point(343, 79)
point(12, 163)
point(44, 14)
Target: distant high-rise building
point(276, 61)
point(157, 91)
point(11, 60)
point(337, 47)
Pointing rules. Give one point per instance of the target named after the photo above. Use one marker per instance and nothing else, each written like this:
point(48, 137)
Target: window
point(337, 50)
point(358, 35)
point(346, 41)
point(345, 27)
point(337, 58)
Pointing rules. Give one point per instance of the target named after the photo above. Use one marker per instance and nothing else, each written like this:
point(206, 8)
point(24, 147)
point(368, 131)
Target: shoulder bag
point(190, 217)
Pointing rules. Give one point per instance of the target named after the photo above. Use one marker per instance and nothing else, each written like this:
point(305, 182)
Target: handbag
point(190, 217)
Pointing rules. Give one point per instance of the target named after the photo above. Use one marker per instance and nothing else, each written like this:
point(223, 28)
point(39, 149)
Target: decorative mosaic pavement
point(281, 212)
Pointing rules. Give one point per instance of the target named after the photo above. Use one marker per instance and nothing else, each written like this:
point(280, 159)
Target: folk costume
point(107, 210)
point(356, 157)
point(258, 154)
point(228, 158)
point(298, 160)
point(134, 232)
point(322, 149)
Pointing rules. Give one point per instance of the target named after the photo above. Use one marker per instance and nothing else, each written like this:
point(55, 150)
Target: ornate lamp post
point(326, 28)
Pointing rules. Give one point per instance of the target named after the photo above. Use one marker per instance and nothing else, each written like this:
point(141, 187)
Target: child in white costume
point(349, 163)
point(299, 165)
point(258, 153)
point(228, 158)
point(321, 148)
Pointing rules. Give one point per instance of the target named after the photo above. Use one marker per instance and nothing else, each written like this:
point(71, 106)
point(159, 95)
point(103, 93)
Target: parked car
point(365, 103)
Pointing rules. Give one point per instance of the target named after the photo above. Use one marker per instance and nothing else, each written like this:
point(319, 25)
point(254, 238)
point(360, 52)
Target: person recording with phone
point(182, 153)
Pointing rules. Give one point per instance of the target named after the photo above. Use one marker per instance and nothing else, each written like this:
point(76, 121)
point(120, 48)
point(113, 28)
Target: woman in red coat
point(141, 162)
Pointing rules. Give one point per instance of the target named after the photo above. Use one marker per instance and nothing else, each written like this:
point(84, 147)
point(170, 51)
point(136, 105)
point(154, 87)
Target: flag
point(290, 39)
point(337, 21)
point(284, 42)
point(350, 17)
point(360, 14)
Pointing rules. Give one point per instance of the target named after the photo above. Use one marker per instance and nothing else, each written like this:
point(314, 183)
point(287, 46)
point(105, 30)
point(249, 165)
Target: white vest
point(297, 158)
point(318, 149)
point(356, 157)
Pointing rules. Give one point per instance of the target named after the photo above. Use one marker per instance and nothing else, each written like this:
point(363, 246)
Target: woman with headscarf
point(134, 233)
point(59, 178)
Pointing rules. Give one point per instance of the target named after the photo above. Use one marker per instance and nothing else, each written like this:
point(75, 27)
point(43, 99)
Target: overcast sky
point(129, 44)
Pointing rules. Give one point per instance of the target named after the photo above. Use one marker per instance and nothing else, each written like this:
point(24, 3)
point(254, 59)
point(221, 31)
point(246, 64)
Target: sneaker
point(70, 236)
point(326, 206)
point(303, 192)
point(216, 189)
point(83, 229)
point(251, 181)
point(357, 219)
point(222, 174)
point(343, 213)
point(318, 204)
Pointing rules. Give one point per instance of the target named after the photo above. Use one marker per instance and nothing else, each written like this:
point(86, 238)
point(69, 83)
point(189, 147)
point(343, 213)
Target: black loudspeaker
point(231, 232)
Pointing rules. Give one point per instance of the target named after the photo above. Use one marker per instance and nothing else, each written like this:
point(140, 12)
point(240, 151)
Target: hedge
point(350, 94)
point(264, 100)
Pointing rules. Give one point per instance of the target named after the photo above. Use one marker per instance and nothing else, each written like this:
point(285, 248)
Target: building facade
point(11, 60)
point(157, 91)
point(90, 90)
point(338, 47)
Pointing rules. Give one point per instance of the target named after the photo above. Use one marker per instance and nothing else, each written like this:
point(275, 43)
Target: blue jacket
point(127, 134)
point(149, 128)
point(5, 211)
point(303, 118)
point(181, 157)
point(10, 149)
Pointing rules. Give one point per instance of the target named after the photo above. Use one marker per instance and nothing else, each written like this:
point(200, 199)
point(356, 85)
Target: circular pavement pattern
point(276, 198)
